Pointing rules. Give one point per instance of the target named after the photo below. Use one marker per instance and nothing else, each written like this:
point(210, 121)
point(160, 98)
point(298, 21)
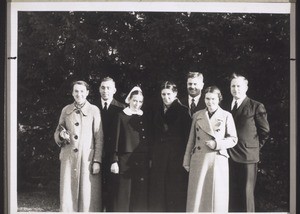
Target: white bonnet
point(135, 88)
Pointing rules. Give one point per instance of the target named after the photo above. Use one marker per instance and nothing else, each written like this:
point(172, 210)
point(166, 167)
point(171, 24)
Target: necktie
point(193, 106)
point(105, 106)
point(235, 107)
point(165, 109)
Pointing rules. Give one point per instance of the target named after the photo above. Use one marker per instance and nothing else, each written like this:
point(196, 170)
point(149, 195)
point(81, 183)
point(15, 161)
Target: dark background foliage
point(55, 48)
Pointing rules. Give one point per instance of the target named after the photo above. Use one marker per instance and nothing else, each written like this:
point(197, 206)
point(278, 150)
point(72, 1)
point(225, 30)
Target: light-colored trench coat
point(80, 190)
point(208, 188)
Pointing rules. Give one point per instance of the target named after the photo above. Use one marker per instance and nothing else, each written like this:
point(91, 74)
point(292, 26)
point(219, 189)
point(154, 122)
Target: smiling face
point(80, 93)
point(238, 88)
point(168, 96)
point(212, 101)
point(107, 90)
point(194, 86)
point(136, 102)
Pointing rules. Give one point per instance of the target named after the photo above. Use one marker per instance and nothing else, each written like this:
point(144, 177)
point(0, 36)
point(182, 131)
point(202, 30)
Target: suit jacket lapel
point(241, 107)
point(113, 102)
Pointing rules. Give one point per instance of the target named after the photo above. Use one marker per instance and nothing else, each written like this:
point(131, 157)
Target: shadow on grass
point(38, 200)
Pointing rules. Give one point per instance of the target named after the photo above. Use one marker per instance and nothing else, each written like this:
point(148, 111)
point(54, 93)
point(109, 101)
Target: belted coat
point(208, 187)
point(80, 190)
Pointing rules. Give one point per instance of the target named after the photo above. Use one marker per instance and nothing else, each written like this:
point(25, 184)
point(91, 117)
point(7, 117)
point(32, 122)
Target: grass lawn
point(38, 200)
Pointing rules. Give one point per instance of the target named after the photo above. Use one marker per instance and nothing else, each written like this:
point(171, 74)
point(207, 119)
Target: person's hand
point(96, 168)
point(65, 135)
point(187, 168)
point(114, 168)
point(211, 144)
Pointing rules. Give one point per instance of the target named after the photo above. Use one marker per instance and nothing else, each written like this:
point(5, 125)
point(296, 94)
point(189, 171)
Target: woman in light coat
point(79, 134)
point(206, 158)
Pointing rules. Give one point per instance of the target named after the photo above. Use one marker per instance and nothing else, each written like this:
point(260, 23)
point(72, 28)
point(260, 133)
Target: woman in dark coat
point(131, 159)
point(168, 181)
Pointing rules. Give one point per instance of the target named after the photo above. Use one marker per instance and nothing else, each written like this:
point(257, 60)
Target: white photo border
point(209, 7)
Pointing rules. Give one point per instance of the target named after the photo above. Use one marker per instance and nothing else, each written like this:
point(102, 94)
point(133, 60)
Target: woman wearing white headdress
point(131, 159)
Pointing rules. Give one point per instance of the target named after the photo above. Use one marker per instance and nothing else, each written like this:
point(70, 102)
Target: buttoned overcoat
point(131, 153)
point(80, 189)
point(208, 187)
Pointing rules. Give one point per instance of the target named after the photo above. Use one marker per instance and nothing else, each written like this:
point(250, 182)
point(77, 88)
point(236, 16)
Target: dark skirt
point(168, 180)
point(131, 192)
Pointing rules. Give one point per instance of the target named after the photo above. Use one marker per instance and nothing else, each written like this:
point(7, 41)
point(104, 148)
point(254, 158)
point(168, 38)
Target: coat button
point(143, 137)
point(76, 124)
point(199, 148)
point(197, 129)
point(143, 129)
point(198, 138)
point(141, 122)
point(77, 112)
point(75, 150)
point(76, 137)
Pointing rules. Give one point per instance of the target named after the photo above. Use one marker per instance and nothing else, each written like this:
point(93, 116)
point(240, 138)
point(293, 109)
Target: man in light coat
point(79, 134)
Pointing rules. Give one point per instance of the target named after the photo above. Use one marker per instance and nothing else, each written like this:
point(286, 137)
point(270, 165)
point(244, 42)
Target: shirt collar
point(107, 101)
point(129, 112)
point(196, 99)
point(239, 101)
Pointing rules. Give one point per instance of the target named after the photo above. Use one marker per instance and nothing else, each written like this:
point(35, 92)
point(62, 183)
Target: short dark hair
point(81, 82)
point(214, 89)
point(108, 78)
point(169, 85)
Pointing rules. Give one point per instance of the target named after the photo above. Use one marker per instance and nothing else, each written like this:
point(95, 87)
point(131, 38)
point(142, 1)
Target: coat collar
point(84, 109)
point(204, 123)
point(175, 105)
point(129, 112)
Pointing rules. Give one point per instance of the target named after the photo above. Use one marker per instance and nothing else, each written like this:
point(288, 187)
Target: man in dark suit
point(253, 131)
point(109, 108)
point(194, 101)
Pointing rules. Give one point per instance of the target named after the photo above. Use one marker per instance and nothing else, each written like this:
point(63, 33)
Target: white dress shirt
point(196, 100)
point(105, 101)
point(239, 102)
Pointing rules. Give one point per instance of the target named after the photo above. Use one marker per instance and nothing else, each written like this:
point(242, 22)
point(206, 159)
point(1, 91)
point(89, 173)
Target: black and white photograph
point(151, 107)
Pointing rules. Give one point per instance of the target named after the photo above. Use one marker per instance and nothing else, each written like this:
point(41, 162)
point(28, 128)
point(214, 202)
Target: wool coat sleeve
point(230, 138)
point(57, 138)
point(98, 135)
point(117, 127)
point(262, 124)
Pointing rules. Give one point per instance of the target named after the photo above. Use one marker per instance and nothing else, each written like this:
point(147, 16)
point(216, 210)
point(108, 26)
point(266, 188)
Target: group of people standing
point(119, 157)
